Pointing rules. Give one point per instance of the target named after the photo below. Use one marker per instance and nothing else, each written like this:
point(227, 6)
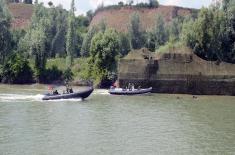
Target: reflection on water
point(104, 124)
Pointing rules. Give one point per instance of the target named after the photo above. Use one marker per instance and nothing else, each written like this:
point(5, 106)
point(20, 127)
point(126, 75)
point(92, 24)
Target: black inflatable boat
point(80, 94)
point(121, 91)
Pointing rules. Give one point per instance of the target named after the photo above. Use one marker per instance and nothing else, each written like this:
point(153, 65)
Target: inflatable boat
point(121, 91)
point(80, 94)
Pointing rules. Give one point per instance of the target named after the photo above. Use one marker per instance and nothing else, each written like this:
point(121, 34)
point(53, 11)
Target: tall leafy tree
point(150, 43)
point(104, 50)
point(70, 38)
point(175, 28)
point(38, 51)
point(85, 50)
point(211, 36)
point(153, 3)
point(160, 32)
point(125, 45)
point(135, 33)
point(28, 1)
point(5, 34)
point(58, 30)
point(228, 42)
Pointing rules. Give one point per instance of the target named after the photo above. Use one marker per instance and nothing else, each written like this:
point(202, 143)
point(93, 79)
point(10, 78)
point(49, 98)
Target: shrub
point(52, 74)
point(68, 75)
point(17, 70)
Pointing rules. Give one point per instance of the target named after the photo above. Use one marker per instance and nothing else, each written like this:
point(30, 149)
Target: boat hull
point(81, 94)
point(130, 92)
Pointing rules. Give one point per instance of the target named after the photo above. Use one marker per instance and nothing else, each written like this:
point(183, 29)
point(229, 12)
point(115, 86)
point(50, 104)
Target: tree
point(103, 52)
point(17, 70)
point(50, 3)
point(160, 32)
point(175, 28)
point(12, 1)
point(125, 45)
point(5, 34)
point(153, 3)
point(58, 31)
point(211, 36)
point(150, 43)
point(120, 3)
point(89, 14)
point(85, 50)
point(187, 35)
point(135, 33)
point(228, 38)
point(38, 51)
point(130, 2)
point(28, 1)
point(70, 38)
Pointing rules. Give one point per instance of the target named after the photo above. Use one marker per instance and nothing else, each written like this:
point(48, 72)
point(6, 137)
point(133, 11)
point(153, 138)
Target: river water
point(118, 125)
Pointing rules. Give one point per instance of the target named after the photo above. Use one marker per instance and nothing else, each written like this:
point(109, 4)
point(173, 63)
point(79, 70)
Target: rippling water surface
point(105, 125)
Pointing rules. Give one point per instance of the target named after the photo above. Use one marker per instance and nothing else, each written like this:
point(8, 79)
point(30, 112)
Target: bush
point(17, 70)
point(68, 75)
point(52, 74)
point(153, 3)
point(174, 47)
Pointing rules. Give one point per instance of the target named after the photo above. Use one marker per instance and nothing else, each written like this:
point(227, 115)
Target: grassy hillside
point(118, 18)
point(21, 14)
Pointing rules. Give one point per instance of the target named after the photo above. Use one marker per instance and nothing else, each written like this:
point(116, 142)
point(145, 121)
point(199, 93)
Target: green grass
point(78, 68)
point(176, 47)
point(58, 62)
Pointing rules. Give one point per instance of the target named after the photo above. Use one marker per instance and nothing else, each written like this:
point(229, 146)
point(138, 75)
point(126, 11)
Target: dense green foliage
point(28, 1)
point(125, 46)
point(103, 53)
point(16, 70)
point(136, 35)
point(52, 74)
point(71, 38)
point(68, 75)
point(160, 32)
point(45, 38)
point(85, 50)
point(18, 1)
point(153, 3)
point(5, 34)
point(212, 34)
point(38, 51)
point(150, 4)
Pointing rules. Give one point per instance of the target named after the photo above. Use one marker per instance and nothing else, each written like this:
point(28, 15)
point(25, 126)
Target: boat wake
point(65, 100)
point(20, 98)
point(101, 92)
point(30, 98)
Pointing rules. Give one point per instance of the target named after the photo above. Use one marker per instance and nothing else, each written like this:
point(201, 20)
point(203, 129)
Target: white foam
point(19, 97)
point(101, 92)
point(66, 100)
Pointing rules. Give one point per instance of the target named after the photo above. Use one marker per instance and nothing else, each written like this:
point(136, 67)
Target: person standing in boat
point(69, 89)
point(129, 86)
point(132, 86)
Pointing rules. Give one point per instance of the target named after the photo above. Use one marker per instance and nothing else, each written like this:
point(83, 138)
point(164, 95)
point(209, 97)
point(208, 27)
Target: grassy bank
point(78, 67)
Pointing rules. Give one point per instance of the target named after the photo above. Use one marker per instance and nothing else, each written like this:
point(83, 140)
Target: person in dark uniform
point(55, 92)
